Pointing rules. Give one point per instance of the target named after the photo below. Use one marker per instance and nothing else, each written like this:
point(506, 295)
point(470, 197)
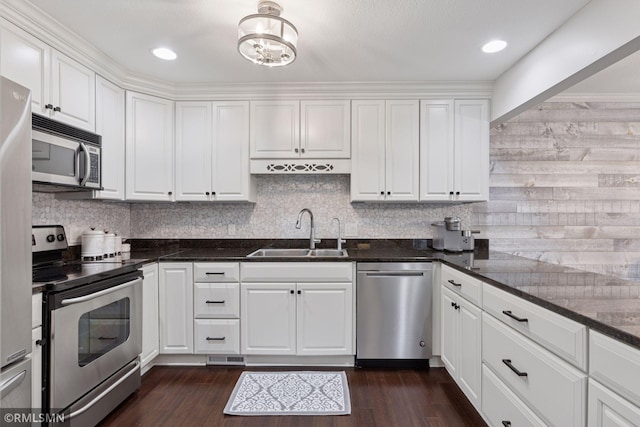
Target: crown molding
point(42, 26)
point(596, 97)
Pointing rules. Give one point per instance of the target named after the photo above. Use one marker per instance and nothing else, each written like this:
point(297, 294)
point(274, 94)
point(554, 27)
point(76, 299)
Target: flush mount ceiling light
point(494, 46)
point(164, 53)
point(265, 38)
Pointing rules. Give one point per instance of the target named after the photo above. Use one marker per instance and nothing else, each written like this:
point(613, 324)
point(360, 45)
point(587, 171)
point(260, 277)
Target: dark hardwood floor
point(196, 396)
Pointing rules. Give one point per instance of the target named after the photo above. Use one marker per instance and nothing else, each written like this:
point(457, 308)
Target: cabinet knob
point(382, 193)
point(302, 150)
point(213, 193)
point(388, 193)
point(299, 292)
point(457, 193)
point(451, 193)
point(291, 291)
point(207, 193)
point(48, 107)
point(57, 109)
point(295, 150)
point(170, 193)
point(506, 423)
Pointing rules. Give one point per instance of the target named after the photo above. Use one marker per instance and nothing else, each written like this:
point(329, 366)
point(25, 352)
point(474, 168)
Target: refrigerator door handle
point(12, 383)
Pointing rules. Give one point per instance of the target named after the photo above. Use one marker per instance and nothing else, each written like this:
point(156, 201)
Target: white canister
point(92, 244)
point(126, 248)
point(109, 244)
point(118, 245)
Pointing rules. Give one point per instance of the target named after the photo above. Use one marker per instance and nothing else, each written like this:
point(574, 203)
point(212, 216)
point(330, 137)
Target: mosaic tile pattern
point(565, 187)
point(279, 199)
point(78, 215)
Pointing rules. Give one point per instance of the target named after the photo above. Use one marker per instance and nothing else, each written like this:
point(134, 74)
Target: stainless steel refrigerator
point(15, 245)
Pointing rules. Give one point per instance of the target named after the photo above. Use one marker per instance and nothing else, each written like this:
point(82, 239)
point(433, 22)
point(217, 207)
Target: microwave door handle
point(87, 164)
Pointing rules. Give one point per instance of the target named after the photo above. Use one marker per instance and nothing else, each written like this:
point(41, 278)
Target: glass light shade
point(267, 40)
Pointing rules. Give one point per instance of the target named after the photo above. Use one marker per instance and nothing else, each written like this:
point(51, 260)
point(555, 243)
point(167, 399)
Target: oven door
point(95, 331)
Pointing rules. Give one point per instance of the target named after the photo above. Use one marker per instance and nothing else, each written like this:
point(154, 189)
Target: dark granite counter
point(607, 304)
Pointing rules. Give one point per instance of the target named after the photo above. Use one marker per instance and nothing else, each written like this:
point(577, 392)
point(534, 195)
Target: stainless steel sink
point(297, 253)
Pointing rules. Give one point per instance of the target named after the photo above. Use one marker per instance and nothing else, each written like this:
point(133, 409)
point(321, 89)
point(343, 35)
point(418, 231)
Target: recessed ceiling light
point(164, 53)
point(494, 46)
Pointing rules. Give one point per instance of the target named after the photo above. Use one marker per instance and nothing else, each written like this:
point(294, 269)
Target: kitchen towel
point(290, 393)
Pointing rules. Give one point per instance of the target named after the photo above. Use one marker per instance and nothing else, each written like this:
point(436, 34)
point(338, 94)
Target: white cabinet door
point(325, 319)
point(402, 145)
point(231, 178)
point(470, 351)
point(325, 129)
point(149, 142)
point(268, 318)
point(471, 150)
point(176, 308)
point(73, 90)
point(275, 129)
point(436, 150)
point(368, 150)
point(110, 125)
point(27, 61)
point(193, 151)
point(150, 331)
point(461, 343)
point(608, 409)
point(450, 339)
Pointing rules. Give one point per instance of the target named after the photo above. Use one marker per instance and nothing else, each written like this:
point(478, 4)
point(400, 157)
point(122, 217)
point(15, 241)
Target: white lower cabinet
point(304, 316)
point(461, 343)
point(501, 407)
point(176, 308)
point(608, 409)
point(216, 336)
point(555, 390)
point(150, 319)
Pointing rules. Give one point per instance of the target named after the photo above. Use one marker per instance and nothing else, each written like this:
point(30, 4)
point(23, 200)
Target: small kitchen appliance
point(449, 236)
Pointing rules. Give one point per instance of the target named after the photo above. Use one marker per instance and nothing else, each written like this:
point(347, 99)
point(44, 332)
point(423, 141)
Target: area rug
point(290, 393)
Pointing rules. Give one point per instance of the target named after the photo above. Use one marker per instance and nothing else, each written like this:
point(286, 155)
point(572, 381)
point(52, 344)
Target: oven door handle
point(69, 301)
point(104, 393)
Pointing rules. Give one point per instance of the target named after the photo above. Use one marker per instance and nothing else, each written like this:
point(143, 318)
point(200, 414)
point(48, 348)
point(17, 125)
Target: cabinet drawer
point(297, 272)
point(606, 408)
point(564, 337)
point(555, 390)
point(616, 365)
point(463, 284)
point(216, 272)
point(217, 336)
point(212, 300)
point(501, 407)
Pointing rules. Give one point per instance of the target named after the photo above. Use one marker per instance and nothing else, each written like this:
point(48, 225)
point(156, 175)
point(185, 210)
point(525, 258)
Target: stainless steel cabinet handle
point(104, 393)
point(9, 385)
point(214, 302)
point(513, 368)
point(454, 283)
point(216, 338)
point(69, 301)
point(514, 317)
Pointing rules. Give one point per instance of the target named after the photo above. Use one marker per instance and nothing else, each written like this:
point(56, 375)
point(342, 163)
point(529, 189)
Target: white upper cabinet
point(385, 144)
point(149, 148)
point(110, 124)
point(454, 150)
point(295, 129)
point(62, 88)
point(212, 152)
point(324, 128)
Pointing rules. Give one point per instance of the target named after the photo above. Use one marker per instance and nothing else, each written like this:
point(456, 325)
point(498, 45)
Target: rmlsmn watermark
point(28, 416)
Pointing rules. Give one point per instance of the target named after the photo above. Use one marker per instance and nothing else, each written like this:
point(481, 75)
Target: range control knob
point(51, 238)
point(60, 237)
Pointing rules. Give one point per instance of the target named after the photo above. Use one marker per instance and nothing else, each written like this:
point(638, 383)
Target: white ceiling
point(339, 40)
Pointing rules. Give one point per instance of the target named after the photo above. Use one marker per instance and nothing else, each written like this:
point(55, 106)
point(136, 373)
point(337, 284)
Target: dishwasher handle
point(395, 273)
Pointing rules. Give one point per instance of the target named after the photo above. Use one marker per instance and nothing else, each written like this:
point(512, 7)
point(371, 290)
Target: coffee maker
point(448, 235)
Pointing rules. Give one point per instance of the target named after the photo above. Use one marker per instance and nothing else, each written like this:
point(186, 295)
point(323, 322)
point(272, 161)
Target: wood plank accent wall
point(565, 187)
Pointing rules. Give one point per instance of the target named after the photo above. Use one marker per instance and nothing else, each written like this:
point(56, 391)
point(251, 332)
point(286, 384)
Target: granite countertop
point(604, 303)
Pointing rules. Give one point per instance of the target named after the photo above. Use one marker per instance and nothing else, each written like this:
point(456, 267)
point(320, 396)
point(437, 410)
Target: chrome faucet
point(312, 238)
point(340, 239)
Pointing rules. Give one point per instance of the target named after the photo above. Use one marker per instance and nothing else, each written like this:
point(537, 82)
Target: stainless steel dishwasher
point(393, 317)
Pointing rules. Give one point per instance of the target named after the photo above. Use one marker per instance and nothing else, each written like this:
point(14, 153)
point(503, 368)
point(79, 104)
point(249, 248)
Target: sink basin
point(329, 253)
point(297, 253)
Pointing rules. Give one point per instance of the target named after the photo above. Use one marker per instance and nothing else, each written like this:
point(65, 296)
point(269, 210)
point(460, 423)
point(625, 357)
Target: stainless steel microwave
point(64, 158)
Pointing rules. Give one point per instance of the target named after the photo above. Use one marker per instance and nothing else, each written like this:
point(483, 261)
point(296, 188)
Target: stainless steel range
point(93, 325)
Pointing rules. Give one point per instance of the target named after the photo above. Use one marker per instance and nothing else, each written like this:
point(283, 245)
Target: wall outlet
point(231, 229)
point(351, 229)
